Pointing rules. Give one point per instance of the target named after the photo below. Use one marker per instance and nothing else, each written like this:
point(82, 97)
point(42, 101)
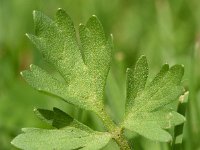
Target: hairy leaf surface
point(67, 138)
point(146, 111)
point(83, 61)
point(59, 119)
point(85, 75)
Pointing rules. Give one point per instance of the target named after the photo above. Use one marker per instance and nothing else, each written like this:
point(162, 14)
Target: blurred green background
point(163, 30)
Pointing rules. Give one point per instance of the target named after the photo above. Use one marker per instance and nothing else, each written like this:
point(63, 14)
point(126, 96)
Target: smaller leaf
point(61, 119)
point(67, 138)
point(150, 130)
point(44, 82)
point(166, 118)
point(137, 78)
point(45, 115)
point(147, 111)
point(160, 75)
point(57, 118)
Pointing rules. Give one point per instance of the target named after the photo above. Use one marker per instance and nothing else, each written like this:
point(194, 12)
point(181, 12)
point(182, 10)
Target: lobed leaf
point(85, 76)
point(147, 109)
point(150, 130)
point(84, 66)
point(59, 119)
point(67, 138)
point(44, 82)
point(137, 78)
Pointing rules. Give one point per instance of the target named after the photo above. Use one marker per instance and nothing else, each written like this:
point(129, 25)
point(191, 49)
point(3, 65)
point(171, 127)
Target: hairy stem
point(117, 133)
point(122, 142)
point(107, 121)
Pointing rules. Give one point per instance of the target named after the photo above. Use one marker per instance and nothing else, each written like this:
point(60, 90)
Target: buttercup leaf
point(137, 78)
point(146, 109)
point(85, 78)
point(68, 138)
point(83, 61)
point(57, 118)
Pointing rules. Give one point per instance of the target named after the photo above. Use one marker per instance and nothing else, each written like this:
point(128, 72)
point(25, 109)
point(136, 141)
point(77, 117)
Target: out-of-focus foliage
point(163, 30)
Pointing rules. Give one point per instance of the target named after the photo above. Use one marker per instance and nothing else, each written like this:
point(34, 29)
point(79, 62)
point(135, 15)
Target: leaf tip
point(93, 19)
point(81, 27)
point(166, 64)
point(142, 57)
point(34, 109)
point(111, 36)
point(34, 14)
point(31, 66)
point(94, 16)
point(128, 69)
point(13, 142)
point(142, 60)
point(60, 11)
point(21, 73)
point(27, 35)
point(34, 11)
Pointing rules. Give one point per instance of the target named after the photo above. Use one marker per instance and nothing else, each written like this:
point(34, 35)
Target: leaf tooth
point(160, 75)
point(81, 27)
point(34, 109)
point(94, 16)
point(27, 35)
point(96, 28)
point(111, 36)
point(31, 66)
point(43, 24)
point(34, 13)
point(21, 73)
point(176, 73)
point(59, 9)
point(136, 78)
point(61, 12)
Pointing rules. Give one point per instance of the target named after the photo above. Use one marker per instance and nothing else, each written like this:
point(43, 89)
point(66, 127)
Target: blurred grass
point(163, 30)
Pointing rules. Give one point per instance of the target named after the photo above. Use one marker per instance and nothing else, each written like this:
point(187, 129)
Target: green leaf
point(57, 118)
point(146, 111)
point(136, 78)
point(45, 115)
point(159, 76)
point(84, 63)
point(150, 130)
point(67, 138)
point(85, 75)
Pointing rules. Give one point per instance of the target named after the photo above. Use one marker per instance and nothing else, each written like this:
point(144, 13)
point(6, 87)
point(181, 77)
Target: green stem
point(117, 133)
point(107, 121)
point(121, 140)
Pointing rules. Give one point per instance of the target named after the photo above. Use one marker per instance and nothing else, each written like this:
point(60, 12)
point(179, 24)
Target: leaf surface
point(84, 73)
point(67, 138)
point(147, 112)
point(59, 119)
